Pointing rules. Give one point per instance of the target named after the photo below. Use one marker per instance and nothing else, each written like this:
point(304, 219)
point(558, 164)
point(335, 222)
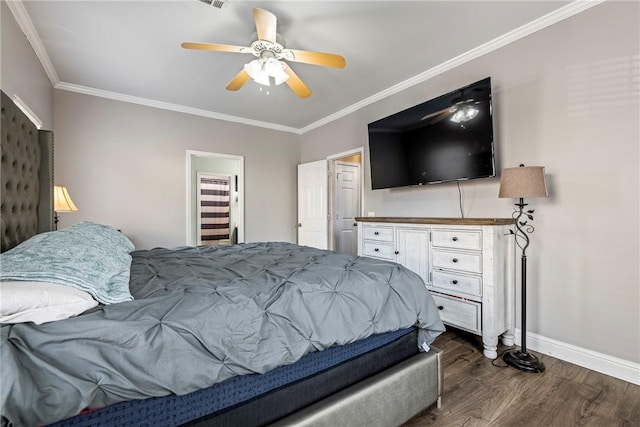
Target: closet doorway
point(215, 198)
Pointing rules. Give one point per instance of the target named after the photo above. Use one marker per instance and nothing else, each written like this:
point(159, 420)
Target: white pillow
point(40, 302)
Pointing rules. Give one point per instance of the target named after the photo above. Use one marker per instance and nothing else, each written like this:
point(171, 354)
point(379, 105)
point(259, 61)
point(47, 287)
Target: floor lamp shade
point(523, 182)
point(520, 183)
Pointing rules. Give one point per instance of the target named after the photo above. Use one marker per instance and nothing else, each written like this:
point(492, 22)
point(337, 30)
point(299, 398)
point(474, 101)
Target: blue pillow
point(91, 257)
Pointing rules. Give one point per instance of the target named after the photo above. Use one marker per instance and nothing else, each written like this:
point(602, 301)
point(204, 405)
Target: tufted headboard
point(26, 175)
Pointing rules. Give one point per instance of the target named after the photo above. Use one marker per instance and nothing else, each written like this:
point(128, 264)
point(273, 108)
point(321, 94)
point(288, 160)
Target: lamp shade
point(275, 69)
point(523, 182)
point(256, 72)
point(260, 70)
point(61, 200)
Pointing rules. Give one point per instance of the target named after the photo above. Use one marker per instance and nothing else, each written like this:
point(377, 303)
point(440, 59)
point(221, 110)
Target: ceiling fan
point(271, 55)
point(459, 112)
point(462, 108)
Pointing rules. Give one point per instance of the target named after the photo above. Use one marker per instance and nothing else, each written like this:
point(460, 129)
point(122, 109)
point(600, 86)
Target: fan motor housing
point(260, 47)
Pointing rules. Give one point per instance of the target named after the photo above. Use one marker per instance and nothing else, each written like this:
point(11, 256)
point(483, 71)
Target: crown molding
point(171, 107)
point(26, 25)
point(488, 47)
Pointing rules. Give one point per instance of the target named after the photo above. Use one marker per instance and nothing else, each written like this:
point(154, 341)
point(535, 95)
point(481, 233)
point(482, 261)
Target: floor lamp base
point(523, 361)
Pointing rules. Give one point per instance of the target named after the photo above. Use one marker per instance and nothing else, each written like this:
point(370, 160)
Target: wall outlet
point(371, 214)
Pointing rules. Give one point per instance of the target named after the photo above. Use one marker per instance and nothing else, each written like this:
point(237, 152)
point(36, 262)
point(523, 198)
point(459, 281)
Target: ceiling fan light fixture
point(281, 78)
point(464, 114)
point(256, 72)
point(262, 70)
point(275, 69)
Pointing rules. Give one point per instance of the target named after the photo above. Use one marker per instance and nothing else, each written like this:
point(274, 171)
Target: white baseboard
point(600, 362)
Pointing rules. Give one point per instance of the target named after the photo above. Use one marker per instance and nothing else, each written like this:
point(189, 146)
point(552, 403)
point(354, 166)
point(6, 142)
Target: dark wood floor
point(479, 392)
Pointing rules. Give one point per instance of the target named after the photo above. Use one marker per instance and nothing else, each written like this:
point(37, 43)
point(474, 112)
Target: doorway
point(345, 191)
point(330, 197)
point(206, 215)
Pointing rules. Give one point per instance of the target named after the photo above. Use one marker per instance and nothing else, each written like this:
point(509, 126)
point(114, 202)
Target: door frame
point(332, 160)
point(190, 228)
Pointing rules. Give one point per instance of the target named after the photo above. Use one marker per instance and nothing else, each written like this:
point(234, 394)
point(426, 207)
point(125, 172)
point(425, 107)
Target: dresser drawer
point(376, 232)
point(378, 250)
point(458, 239)
point(447, 282)
point(457, 261)
point(459, 313)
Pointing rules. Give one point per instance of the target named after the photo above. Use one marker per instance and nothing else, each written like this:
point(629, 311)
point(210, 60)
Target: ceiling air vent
point(216, 3)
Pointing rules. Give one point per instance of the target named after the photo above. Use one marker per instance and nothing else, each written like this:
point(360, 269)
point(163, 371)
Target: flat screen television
point(448, 138)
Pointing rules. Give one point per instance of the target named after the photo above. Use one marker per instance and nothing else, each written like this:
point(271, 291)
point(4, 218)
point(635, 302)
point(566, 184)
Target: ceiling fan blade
point(216, 47)
point(440, 115)
point(296, 84)
point(239, 80)
point(266, 23)
point(435, 113)
point(315, 58)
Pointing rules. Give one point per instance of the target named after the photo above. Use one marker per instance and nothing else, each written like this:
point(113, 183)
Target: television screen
point(449, 138)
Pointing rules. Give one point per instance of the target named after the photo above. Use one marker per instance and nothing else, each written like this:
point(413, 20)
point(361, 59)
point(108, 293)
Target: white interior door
point(312, 204)
point(347, 207)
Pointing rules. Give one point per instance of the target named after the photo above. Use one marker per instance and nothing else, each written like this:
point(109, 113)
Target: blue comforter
point(201, 315)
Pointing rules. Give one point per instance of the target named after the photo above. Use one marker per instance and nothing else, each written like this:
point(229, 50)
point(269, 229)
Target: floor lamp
point(520, 183)
point(61, 203)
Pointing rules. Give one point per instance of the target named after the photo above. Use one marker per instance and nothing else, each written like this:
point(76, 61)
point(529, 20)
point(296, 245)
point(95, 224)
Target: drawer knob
point(455, 239)
point(455, 282)
point(397, 252)
point(455, 260)
point(441, 307)
point(376, 233)
point(376, 249)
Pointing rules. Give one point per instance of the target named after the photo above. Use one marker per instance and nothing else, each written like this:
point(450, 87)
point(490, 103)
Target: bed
point(266, 333)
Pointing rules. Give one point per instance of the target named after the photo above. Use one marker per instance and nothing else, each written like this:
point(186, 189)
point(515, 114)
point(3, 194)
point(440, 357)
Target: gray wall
point(125, 165)
point(21, 72)
point(565, 98)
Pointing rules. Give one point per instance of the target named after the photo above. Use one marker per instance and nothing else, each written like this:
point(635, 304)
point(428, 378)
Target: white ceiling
point(130, 50)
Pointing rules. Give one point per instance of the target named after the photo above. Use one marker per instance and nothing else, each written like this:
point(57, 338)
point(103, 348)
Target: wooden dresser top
point(424, 220)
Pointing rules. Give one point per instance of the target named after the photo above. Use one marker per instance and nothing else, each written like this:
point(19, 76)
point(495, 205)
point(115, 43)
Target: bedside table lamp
point(61, 203)
point(520, 183)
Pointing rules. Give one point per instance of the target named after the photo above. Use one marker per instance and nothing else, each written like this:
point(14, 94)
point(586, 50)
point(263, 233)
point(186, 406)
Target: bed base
point(389, 398)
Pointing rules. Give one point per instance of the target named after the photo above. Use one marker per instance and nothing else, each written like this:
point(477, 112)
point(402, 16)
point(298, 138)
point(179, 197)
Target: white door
point(347, 207)
point(312, 204)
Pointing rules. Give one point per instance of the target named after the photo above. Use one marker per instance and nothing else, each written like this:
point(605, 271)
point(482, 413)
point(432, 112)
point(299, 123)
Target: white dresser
point(467, 265)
